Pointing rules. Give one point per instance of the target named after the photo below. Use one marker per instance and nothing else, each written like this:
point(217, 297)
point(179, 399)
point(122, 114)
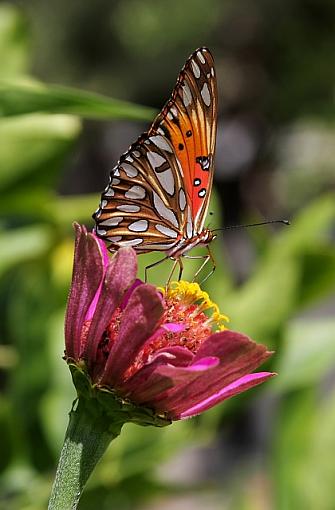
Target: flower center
point(188, 306)
point(190, 317)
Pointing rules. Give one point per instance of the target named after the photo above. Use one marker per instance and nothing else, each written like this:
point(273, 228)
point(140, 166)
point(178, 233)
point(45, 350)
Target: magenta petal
point(173, 327)
point(238, 356)
point(103, 250)
point(120, 274)
point(169, 376)
point(140, 382)
point(105, 260)
point(140, 319)
point(88, 269)
point(184, 372)
point(129, 292)
point(242, 384)
point(178, 356)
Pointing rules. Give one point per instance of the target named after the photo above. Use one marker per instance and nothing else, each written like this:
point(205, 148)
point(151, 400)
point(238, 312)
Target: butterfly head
point(207, 236)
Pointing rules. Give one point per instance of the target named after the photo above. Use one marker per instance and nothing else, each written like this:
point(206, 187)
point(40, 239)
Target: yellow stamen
point(191, 293)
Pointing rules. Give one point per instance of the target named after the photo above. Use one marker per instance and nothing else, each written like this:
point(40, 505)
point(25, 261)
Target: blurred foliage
point(287, 463)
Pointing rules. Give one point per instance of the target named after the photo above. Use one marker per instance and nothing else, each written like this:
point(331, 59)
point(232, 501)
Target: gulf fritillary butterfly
point(158, 193)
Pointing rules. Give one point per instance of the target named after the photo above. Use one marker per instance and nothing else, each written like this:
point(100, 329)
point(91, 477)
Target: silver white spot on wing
point(132, 242)
point(115, 181)
point(161, 143)
point(160, 131)
point(137, 154)
point(116, 172)
point(187, 95)
point(114, 239)
point(166, 231)
point(201, 57)
point(169, 116)
point(189, 224)
point(195, 69)
point(205, 94)
point(174, 111)
point(128, 208)
point(110, 192)
point(112, 222)
point(166, 180)
point(100, 231)
point(138, 226)
point(130, 170)
point(155, 160)
point(163, 211)
point(182, 199)
point(135, 193)
point(129, 158)
point(103, 204)
point(212, 71)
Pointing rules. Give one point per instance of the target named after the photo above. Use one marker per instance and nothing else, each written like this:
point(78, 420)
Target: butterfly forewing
point(159, 191)
point(189, 120)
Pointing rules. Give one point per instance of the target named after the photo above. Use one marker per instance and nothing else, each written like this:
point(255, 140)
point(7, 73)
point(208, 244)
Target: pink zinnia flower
point(151, 348)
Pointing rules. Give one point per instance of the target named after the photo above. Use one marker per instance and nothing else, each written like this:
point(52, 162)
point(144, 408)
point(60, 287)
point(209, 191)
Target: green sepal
point(107, 404)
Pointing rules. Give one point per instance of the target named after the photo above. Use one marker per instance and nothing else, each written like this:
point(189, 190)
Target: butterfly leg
point(211, 258)
point(154, 264)
point(179, 262)
point(206, 259)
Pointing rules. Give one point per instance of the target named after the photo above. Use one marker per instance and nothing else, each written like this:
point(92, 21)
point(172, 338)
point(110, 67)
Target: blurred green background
point(273, 447)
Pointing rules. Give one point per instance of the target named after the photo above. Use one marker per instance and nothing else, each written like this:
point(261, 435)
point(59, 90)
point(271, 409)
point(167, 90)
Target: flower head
point(150, 348)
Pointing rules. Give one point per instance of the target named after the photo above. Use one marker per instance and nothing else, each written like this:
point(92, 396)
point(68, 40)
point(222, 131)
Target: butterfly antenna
point(230, 227)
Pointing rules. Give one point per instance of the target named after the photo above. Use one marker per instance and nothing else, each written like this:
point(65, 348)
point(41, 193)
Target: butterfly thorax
point(186, 244)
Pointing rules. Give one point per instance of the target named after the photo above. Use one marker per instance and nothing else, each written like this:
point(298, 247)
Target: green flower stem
point(87, 438)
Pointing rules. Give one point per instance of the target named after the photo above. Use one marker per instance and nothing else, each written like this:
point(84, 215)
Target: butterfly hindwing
point(158, 192)
point(144, 203)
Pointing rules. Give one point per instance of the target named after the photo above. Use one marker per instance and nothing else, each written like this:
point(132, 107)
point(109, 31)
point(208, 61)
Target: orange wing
point(189, 121)
point(159, 191)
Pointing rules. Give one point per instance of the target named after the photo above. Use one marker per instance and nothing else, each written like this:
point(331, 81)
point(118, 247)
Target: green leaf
point(318, 472)
point(307, 355)
point(308, 228)
point(20, 97)
point(318, 275)
point(303, 456)
point(34, 145)
point(272, 293)
point(24, 243)
point(295, 426)
point(14, 42)
point(265, 301)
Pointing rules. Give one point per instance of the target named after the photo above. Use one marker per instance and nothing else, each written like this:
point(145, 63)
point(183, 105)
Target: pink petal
point(168, 376)
point(238, 356)
point(105, 260)
point(87, 275)
point(129, 292)
point(140, 319)
point(103, 250)
point(139, 383)
point(120, 274)
point(174, 328)
point(242, 384)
